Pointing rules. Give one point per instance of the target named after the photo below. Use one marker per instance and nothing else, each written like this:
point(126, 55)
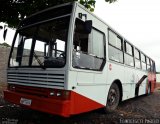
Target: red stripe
point(80, 104)
point(75, 104)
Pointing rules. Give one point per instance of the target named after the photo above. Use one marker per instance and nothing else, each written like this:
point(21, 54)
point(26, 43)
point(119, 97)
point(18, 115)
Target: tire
point(113, 98)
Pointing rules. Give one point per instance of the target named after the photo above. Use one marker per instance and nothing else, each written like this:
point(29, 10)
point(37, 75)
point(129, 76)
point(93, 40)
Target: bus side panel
point(130, 81)
point(95, 89)
point(144, 85)
point(116, 72)
point(132, 77)
point(88, 83)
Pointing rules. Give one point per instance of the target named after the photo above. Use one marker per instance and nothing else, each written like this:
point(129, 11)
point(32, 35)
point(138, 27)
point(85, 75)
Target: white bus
point(65, 61)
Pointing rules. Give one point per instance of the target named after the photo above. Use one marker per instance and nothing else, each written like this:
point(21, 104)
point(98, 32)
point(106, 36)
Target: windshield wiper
point(39, 61)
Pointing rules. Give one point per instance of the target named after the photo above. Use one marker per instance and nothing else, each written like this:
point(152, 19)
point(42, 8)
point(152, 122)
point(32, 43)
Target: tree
point(5, 44)
point(12, 11)
point(1, 27)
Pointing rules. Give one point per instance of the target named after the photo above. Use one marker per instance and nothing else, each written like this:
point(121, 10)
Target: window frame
point(142, 61)
point(104, 59)
point(127, 53)
point(34, 40)
point(154, 66)
point(138, 59)
point(104, 41)
point(125, 48)
point(148, 64)
point(122, 45)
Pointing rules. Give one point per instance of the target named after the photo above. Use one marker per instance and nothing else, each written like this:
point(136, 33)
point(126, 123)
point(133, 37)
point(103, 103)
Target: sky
point(136, 20)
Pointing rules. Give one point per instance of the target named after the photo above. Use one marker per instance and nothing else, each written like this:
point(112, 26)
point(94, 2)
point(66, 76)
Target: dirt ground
point(144, 109)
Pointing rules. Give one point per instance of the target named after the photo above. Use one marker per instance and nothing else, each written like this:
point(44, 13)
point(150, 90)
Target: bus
point(65, 60)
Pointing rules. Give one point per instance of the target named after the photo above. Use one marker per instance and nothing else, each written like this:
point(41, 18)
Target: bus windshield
point(41, 45)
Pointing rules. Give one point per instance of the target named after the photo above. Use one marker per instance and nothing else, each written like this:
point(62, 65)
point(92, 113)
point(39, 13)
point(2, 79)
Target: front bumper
point(48, 105)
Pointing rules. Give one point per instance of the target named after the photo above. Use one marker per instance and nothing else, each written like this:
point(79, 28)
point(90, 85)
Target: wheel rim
point(112, 98)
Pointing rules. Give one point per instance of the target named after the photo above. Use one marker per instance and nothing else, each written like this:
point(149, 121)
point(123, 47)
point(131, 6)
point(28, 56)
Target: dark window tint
point(47, 15)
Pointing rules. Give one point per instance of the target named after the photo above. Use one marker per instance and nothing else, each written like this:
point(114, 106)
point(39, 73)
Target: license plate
point(25, 101)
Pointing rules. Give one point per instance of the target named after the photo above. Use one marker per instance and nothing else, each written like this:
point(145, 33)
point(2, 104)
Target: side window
point(148, 64)
point(151, 65)
point(129, 49)
point(115, 40)
point(143, 59)
point(115, 47)
point(88, 49)
point(129, 60)
point(96, 43)
point(154, 66)
point(137, 58)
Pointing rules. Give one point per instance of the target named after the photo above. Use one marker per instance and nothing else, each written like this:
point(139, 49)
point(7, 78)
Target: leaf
point(92, 9)
point(110, 1)
point(12, 11)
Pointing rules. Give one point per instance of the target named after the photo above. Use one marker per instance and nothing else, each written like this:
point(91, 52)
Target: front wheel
point(113, 98)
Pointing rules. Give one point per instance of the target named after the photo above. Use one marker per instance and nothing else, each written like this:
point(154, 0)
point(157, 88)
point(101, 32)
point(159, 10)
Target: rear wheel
point(113, 98)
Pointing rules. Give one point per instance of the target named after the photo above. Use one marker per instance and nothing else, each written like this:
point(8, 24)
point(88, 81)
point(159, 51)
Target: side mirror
point(88, 26)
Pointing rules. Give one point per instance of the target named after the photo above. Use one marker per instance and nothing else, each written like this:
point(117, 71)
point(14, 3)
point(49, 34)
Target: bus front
point(38, 62)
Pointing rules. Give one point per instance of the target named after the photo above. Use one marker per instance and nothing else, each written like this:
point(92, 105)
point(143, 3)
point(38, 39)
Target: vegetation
point(5, 44)
point(12, 11)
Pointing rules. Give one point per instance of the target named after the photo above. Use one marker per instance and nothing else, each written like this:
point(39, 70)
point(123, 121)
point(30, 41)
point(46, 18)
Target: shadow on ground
point(140, 107)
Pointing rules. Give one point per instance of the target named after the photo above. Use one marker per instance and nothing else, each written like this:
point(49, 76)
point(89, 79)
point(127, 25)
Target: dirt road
point(144, 107)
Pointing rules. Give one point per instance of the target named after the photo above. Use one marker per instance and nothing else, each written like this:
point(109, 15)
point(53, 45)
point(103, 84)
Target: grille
point(37, 79)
